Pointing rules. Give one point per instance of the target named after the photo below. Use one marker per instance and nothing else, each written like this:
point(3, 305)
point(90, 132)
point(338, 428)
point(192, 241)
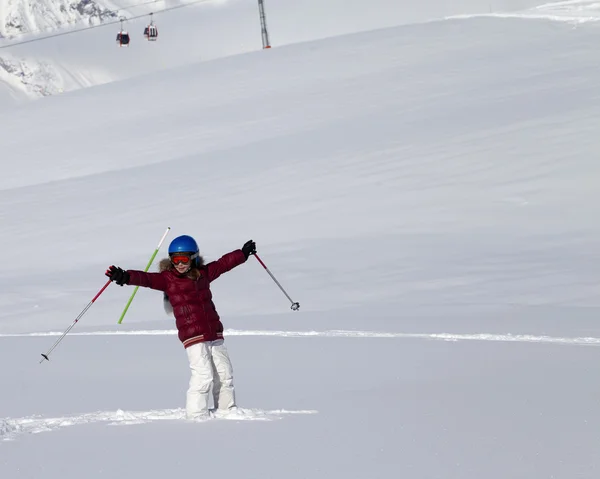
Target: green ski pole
point(145, 270)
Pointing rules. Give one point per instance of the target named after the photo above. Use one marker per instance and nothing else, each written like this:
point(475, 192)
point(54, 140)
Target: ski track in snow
point(513, 338)
point(11, 428)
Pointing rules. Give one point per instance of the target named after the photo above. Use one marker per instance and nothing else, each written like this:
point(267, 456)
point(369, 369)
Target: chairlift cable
point(114, 22)
point(34, 32)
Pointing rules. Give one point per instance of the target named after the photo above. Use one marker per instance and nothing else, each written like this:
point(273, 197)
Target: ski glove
point(249, 248)
point(118, 275)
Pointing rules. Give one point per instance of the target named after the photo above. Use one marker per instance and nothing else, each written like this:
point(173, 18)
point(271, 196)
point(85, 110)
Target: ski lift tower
point(263, 24)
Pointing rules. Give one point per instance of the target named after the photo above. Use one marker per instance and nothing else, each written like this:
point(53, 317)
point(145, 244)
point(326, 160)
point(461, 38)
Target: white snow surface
point(422, 181)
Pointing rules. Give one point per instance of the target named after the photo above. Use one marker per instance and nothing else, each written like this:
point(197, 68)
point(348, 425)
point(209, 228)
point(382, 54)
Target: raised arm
point(147, 280)
point(224, 264)
point(137, 278)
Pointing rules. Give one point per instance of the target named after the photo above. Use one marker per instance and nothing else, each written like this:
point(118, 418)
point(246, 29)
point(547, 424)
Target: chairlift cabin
point(123, 38)
point(151, 31)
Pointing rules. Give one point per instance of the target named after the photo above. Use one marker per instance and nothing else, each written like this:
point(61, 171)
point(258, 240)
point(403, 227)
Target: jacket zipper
point(206, 318)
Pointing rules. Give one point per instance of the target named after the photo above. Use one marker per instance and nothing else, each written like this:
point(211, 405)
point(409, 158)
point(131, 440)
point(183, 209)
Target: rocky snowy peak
point(31, 78)
point(27, 77)
point(35, 16)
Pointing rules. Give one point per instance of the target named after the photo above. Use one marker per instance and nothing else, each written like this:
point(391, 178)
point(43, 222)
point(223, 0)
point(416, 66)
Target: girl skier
point(185, 281)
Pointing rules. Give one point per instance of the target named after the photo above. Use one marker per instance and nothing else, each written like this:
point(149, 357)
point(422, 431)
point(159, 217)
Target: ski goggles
point(182, 258)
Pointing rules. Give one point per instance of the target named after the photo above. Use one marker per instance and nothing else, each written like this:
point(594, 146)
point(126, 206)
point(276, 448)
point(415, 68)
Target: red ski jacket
point(195, 313)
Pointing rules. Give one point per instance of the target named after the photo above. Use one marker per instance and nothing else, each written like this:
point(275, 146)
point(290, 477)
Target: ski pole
point(295, 306)
point(47, 355)
point(145, 270)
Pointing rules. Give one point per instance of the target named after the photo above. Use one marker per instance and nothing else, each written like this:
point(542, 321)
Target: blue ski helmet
point(185, 244)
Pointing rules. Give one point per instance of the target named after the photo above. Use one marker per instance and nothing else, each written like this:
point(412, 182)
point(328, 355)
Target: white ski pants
point(211, 366)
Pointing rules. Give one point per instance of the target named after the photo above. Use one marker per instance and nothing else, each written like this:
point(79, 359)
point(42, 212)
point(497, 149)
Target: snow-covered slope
point(385, 148)
point(426, 192)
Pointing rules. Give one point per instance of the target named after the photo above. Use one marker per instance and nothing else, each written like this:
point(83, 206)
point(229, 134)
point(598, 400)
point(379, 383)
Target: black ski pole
point(295, 306)
point(47, 355)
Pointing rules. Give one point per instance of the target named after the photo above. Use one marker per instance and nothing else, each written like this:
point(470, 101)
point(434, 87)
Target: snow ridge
point(511, 338)
point(11, 428)
point(569, 11)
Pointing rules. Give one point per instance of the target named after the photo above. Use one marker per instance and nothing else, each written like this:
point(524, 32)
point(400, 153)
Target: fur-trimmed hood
point(165, 265)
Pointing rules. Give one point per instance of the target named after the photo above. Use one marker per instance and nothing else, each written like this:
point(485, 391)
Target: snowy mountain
point(422, 180)
point(18, 17)
point(29, 77)
point(201, 30)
